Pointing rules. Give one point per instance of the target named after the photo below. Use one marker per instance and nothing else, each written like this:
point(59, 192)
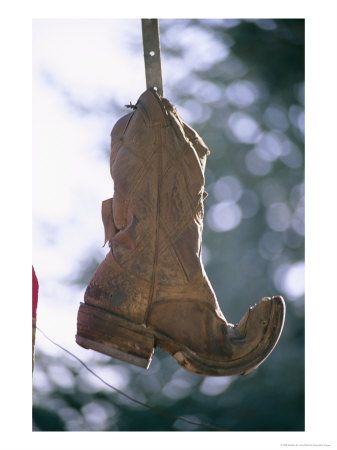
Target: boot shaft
point(157, 164)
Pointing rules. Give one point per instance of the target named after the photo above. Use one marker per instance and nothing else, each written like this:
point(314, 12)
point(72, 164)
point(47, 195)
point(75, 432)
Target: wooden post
point(151, 45)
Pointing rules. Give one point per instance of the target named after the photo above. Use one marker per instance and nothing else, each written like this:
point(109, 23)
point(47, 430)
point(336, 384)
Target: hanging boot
point(152, 289)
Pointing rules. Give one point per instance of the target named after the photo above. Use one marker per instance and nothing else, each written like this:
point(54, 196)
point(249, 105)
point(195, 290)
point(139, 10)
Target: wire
point(145, 405)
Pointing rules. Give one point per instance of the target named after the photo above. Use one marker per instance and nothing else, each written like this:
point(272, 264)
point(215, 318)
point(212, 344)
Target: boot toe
point(259, 331)
point(252, 340)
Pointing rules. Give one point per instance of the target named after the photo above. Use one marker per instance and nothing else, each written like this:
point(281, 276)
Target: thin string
point(155, 410)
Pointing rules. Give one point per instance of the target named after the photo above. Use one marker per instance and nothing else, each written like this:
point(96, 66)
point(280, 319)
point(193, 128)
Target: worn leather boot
point(151, 289)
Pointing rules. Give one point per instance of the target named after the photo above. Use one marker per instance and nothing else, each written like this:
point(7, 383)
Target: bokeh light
point(289, 278)
point(224, 216)
point(215, 386)
point(278, 216)
point(244, 127)
point(242, 93)
point(257, 165)
point(227, 188)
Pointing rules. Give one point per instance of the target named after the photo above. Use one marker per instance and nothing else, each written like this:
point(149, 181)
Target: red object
point(35, 284)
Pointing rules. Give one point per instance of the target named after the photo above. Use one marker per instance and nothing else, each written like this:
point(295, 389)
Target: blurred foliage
point(247, 102)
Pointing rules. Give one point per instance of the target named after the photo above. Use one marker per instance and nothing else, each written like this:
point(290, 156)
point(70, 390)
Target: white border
point(321, 224)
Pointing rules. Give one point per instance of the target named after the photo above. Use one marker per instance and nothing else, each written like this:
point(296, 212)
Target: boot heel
point(106, 333)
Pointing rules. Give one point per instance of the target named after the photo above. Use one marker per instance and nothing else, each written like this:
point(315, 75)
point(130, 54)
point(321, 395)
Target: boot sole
point(100, 330)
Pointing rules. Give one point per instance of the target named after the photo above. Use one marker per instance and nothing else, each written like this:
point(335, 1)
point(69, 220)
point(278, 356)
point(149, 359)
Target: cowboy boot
point(152, 289)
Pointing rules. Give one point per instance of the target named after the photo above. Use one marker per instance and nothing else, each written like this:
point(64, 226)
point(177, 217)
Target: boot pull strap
point(151, 46)
point(108, 220)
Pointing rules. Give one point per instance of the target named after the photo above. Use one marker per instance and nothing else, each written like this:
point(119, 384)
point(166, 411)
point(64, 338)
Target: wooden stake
point(151, 45)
